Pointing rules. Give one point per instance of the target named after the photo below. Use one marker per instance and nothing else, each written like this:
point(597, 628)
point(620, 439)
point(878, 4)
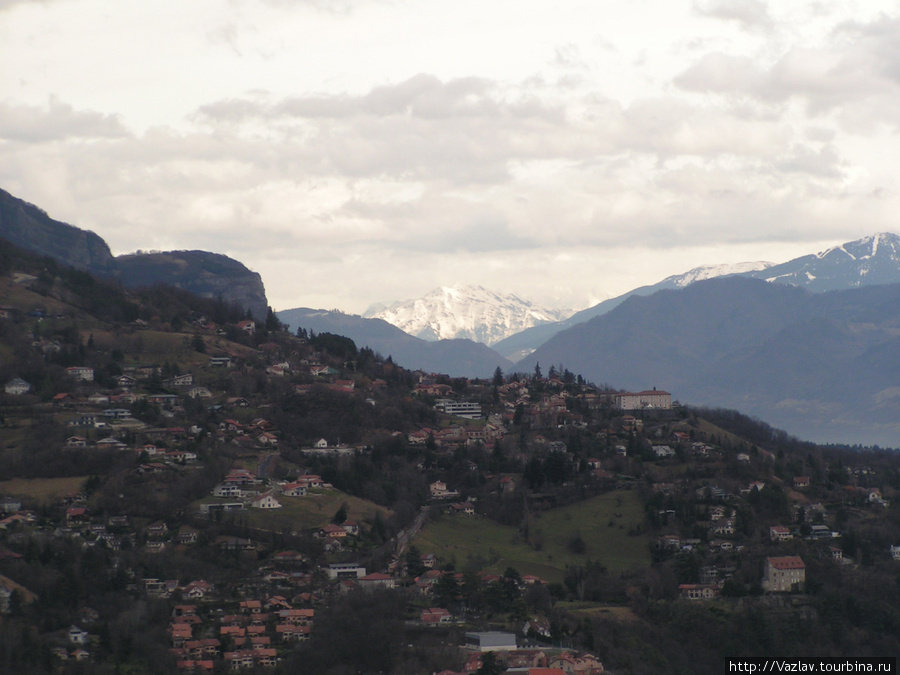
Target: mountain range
point(823, 366)
point(457, 357)
point(466, 311)
point(205, 274)
point(810, 345)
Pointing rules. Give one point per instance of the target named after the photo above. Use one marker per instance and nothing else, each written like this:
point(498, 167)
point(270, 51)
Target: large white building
point(784, 574)
point(642, 400)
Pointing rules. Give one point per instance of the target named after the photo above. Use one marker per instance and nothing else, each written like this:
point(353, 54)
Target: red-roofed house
point(784, 574)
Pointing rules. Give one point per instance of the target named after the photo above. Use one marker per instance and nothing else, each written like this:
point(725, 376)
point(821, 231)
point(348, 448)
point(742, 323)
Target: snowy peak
point(465, 311)
point(713, 271)
point(868, 261)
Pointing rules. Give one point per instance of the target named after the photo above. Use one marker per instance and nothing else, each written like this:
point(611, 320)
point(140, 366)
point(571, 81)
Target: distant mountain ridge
point(520, 345)
point(869, 261)
point(465, 311)
point(205, 274)
point(824, 366)
point(457, 358)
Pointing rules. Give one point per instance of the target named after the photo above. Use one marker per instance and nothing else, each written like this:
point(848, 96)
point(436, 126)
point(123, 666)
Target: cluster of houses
point(253, 634)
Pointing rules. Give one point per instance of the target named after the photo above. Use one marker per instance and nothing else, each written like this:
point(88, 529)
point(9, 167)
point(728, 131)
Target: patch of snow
point(713, 271)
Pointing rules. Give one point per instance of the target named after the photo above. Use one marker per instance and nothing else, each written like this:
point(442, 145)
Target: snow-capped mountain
point(869, 261)
point(464, 311)
point(713, 271)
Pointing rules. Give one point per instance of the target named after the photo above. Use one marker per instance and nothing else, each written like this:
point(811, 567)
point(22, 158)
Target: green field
point(607, 525)
point(303, 513)
point(44, 490)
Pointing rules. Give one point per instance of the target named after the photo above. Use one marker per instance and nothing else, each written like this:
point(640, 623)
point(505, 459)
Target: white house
point(17, 386)
point(265, 502)
point(83, 373)
point(293, 490)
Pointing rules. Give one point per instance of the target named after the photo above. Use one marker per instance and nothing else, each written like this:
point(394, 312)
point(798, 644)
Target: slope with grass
point(610, 527)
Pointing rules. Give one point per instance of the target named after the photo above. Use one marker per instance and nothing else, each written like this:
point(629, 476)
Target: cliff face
point(206, 274)
point(28, 227)
point(209, 275)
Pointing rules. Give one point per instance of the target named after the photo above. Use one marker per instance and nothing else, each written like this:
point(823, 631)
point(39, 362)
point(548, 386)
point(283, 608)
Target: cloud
point(750, 14)
point(56, 121)
point(854, 74)
point(8, 4)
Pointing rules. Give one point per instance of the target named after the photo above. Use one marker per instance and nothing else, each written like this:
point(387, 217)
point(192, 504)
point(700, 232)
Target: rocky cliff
point(209, 275)
point(206, 274)
point(29, 227)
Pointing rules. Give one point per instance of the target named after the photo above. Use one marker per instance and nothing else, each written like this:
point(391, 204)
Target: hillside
point(28, 227)
point(454, 357)
point(182, 485)
point(206, 274)
point(822, 366)
point(209, 275)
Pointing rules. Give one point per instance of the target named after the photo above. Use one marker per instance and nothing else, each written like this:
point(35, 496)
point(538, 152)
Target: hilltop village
point(189, 490)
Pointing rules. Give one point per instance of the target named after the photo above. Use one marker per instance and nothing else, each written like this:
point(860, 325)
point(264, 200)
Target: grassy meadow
point(316, 509)
point(609, 526)
point(43, 490)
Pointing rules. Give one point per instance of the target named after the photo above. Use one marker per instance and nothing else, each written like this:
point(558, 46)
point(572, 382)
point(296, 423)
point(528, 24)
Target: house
point(332, 531)
point(293, 490)
point(895, 552)
point(435, 616)
point(228, 490)
point(801, 482)
point(265, 502)
point(17, 387)
point(663, 451)
point(345, 571)
point(439, 490)
point(698, 591)
point(82, 373)
point(784, 574)
point(98, 400)
point(125, 381)
point(249, 327)
point(185, 380)
point(377, 580)
point(63, 399)
point(539, 626)
point(77, 636)
point(464, 508)
point(197, 590)
point(780, 533)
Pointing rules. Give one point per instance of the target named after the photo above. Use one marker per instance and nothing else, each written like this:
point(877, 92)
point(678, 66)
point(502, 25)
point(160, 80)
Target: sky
point(356, 152)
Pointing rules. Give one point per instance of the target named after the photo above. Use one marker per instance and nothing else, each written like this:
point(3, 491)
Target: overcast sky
point(363, 151)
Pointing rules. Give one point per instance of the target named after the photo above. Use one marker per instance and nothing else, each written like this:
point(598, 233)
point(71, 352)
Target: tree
point(498, 377)
point(490, 665)
point(537, 371)
point(340, 515)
